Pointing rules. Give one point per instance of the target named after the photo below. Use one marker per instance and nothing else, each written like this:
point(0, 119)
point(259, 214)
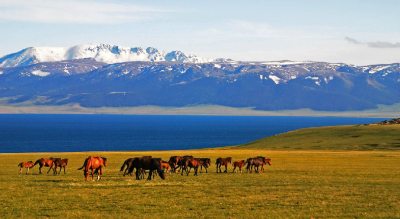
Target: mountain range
point(100, 75)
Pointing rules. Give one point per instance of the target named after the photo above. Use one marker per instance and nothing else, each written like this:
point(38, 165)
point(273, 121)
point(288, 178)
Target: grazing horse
point(174, 161)
point(194, 163)
point(60, 163)
point(255, 162)
point(45, 162)
point(150, 164)
point(223, 161)
point(95, 164)
point(268, 161)
point(206, 164)
point(165, 166)
point(238, 164)
point(27, 165)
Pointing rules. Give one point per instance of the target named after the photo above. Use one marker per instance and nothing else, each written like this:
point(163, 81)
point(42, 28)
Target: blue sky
point(354, 32)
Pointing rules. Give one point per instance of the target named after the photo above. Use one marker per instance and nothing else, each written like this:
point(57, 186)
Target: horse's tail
point(38, 161)
point(123, 166)
point(84, 164)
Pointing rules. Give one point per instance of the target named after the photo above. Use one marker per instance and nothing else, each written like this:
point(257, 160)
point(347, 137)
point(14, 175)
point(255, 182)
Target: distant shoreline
point(383, 111)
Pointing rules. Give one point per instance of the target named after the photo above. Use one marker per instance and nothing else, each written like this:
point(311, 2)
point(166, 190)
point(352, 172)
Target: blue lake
point(75, 133)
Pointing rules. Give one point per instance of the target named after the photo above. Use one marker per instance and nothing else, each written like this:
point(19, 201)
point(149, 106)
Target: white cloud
point(376, 44)
point(57, 11)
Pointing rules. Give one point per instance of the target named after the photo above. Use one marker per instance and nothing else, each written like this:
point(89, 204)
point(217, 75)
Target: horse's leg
point(20, 170)
point(226, 169)
point(51, 167)
point(40, 169)
point(195, 170)
point(233, 169)
point(99, 172)
point(150, 173)
point(27, 171)
point(187, 172)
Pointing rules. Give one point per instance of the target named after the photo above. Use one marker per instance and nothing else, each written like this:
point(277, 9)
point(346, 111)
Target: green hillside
point(359, 138)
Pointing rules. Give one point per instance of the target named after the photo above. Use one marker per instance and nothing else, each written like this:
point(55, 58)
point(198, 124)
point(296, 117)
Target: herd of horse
point(155, 166)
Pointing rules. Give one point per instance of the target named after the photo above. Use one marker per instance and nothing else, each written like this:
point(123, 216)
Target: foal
point(25, 165)
point(238, 164)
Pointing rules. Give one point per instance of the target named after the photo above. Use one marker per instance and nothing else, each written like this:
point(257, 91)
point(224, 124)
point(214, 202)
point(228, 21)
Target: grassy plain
point(299, 184)
point(346, 138)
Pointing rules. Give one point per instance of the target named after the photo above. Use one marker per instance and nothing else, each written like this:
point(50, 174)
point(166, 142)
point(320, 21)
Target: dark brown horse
point(256, 162)
point(238, 164)
point(190, 162)
point(223, 161)
point(150, 164)
point(174, 161)
point(60, 163)
point(128, 163)
point(45, 162)
point(96, 165)
point(27, 165)
point(206, 164)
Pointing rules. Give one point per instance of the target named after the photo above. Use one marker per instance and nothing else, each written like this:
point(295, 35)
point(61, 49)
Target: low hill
point(374, 137)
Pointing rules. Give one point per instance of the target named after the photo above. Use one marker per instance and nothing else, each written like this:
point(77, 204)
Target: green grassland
point(349, 138)
point(301, 183)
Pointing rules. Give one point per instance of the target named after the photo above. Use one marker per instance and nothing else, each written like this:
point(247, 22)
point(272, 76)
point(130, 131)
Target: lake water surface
point(75, 133)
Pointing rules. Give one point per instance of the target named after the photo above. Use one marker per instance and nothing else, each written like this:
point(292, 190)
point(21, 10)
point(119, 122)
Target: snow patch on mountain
point(275, 78)
point(378, 68)
point(40, 73)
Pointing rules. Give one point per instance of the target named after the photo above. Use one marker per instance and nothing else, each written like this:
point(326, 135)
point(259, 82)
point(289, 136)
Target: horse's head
point(230, 159)
point(161, 173)
point(86, 174)
point(268, 161)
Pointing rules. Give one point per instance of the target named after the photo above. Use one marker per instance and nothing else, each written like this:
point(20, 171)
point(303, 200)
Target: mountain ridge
point(183, 81)
point(100, 52)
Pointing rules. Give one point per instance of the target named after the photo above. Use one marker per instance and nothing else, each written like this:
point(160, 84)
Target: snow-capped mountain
point(99, 52)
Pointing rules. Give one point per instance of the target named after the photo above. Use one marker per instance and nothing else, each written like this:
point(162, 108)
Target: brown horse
point(194, 163)
point(174, 161)
point(45, 162)
point(146, 163)
point(256, 162)
point(206, 164)
point(223, 161)
point(268, 161)
point(27, 165)
point(128, 164)
point(95, 164)
point(165, 166)
point(60, 163)
point(238, 164)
